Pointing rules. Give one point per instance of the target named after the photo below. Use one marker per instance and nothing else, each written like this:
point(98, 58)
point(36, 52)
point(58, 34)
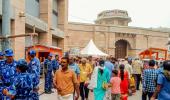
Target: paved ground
point(53, 96)
point(136, 96)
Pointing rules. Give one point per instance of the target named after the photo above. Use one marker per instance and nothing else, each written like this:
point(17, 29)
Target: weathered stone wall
point(106, 36)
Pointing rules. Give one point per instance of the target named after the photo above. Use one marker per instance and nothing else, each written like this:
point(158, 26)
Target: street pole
point(6, 23)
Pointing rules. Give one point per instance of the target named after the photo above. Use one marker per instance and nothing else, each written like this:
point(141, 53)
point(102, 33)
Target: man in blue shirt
point(109, 65)
point(34, 70)
point(74, 67)
point(48, 68)
point(149, 81)
point(163, 83)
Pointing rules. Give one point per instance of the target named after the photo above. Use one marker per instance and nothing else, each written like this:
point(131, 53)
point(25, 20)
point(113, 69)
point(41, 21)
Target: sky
point(144, 13)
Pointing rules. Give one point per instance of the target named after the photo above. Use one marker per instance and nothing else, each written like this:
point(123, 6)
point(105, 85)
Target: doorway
point(121, 49)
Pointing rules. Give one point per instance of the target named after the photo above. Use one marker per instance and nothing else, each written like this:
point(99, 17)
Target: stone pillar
point(6, 23)
point(108, 40)
point(111, 46)
point(63, 22)
point(141, 43)
point(18, 27)
point(46, 15)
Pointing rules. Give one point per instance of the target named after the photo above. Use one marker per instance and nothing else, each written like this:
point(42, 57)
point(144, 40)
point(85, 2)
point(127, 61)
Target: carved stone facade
point(106, 36)
point(110, 28)
point(113, 17)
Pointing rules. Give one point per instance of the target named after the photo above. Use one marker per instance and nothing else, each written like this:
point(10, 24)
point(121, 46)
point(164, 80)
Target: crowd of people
point(112, 79)
point(72, 76)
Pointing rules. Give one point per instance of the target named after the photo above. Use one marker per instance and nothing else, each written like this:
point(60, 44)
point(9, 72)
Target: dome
point(113, 17)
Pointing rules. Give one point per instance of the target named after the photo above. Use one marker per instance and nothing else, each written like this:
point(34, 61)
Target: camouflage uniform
point(22, 86)
point(34, 70)
point(55, 65)
point(48, 68)
point(7, 73)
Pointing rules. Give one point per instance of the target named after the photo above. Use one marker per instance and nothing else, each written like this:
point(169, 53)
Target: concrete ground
point(53, 96)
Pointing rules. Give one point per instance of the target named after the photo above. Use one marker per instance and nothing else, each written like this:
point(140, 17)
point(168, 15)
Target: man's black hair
point(115, 72)
point(67, 58)
point(152, 63)
point(166, 65)
point(101, 62)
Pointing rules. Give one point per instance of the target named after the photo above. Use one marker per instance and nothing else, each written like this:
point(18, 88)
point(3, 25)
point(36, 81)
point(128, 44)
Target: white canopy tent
point(92, 50)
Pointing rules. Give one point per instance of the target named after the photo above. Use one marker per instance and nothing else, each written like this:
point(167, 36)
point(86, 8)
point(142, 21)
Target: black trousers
point(144, 95)
point(138, 80)
point(84, 91)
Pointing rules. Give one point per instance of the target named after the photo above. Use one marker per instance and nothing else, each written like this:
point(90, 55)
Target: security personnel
point(22, 85)
point(1, 56)
point(55, 63)
point(48, 68)
point(34, 70)
point(1, 88)
point(8, 70)
point(1, 84)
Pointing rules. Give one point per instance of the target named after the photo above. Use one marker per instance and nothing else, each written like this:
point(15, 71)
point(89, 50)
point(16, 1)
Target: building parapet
point(39, 24)
point(108, 14)
point(105, 25)
point(111, 13)
point(114, 17)
point(57, 32)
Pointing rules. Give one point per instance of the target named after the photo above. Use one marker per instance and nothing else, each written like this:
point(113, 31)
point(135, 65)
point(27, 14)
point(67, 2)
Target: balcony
point(39, 24)
point(57, 33)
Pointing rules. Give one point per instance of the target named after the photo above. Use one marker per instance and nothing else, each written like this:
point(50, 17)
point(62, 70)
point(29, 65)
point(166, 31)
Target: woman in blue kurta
point(102, 78)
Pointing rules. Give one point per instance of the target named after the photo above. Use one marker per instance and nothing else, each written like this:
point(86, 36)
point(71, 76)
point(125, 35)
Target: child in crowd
point(132, 85)
point(115, 84)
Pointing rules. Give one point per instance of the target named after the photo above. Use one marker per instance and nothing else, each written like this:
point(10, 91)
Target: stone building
point(112, 35)
point(49, 18)
point(44, 17)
